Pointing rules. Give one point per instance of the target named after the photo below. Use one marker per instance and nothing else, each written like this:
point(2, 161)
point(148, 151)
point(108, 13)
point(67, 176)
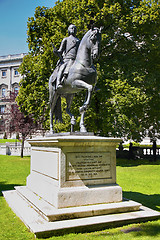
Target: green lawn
point(3, 141)
point(140, 182)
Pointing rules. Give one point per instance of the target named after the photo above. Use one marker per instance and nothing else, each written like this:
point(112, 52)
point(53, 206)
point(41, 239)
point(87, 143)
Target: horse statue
point(82, 75)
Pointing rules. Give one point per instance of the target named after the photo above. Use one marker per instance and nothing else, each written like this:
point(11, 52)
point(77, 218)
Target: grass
point(139, 179)
point(141, 182)
point(8, 140)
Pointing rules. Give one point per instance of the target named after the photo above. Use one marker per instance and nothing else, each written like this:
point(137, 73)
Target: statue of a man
point(68, 51)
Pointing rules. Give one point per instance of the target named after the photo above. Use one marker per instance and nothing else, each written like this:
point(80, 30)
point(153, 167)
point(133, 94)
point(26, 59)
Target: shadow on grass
point(151, 201)
point(131, 163)
point(150, 229)
point(6, 187)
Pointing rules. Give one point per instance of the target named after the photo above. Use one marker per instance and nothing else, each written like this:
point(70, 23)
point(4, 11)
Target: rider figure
point(68, 51)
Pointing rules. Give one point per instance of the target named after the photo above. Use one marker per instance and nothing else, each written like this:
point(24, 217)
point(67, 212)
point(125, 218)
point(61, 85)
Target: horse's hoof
point(83, 129)
point(51, 132)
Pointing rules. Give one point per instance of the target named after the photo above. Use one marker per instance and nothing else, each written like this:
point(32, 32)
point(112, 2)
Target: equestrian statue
point(74, 72)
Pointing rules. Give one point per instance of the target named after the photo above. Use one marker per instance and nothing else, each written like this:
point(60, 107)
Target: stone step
point(42, 228)
point(50, 213)
point(23, 209)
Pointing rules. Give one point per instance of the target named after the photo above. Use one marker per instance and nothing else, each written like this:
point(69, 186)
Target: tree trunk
point(22, 147)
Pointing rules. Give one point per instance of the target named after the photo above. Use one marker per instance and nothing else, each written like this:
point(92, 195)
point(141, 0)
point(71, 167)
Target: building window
point(16, 73)
point(3, 92)
point(4, 73)
point(16, 90)
point(2, 109)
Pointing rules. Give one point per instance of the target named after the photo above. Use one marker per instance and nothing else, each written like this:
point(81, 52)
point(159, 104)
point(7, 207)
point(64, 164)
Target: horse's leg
point(82, 126)
point(83, 85)
point(53, 102)
point(51, 121)
point(51, 97)
point(69, 98)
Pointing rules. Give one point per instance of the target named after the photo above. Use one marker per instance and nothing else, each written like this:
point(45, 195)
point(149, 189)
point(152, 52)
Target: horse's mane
point(89, 32)
point(87, 35)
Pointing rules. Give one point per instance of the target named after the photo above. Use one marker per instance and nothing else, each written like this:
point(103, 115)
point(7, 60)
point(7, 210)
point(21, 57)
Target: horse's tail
point(55, 101)
point(57, 110)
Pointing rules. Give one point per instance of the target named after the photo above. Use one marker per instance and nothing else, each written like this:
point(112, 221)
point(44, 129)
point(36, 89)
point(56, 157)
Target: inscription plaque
point(87, 166)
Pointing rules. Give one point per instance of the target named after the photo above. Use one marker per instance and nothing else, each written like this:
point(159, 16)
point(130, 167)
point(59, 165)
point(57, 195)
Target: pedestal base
point(73, 196)
point(74, 170)
point(44, 220)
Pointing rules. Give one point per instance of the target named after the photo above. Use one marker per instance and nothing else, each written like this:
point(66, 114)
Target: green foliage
point(128, 99)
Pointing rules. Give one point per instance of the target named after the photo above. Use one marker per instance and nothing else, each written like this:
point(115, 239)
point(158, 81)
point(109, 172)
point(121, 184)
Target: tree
point(128, 99)
point(2, 125)
point(20, 124)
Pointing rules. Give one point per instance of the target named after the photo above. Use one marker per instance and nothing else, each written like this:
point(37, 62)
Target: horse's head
point(95, 40)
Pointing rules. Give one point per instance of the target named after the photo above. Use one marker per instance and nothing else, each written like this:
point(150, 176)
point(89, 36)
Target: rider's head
point(72, 30)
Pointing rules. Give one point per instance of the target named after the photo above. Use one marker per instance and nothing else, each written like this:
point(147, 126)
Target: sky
point(13, 23)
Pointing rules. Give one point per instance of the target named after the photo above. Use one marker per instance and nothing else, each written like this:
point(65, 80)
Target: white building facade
point(9, 82)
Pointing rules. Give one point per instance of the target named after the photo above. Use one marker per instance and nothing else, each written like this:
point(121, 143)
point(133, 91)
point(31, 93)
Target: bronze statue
point(67, 53)
point(74, 72)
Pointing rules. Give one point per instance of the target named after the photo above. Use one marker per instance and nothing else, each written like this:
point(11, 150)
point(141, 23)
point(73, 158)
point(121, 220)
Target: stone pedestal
point(69, 171)
point(72, 187)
